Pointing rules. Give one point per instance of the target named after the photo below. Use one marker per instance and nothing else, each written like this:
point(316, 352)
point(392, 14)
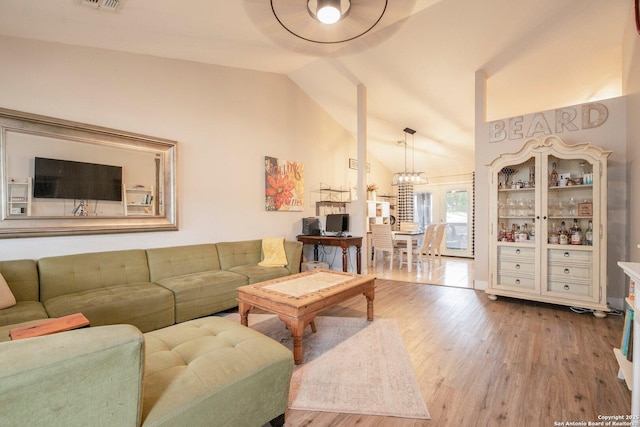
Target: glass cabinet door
point(517, 203)
point(569, 259)
point(569, 201)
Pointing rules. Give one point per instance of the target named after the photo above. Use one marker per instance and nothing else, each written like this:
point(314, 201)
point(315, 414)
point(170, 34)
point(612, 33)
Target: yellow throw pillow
point(6, 296)
point(273, 250)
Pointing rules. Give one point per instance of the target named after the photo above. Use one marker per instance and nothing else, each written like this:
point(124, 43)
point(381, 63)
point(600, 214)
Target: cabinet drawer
point(562, 255)
point(569, 287)
point(516, 267)
point(516, 282)
point(516, 252)
point(560, 272)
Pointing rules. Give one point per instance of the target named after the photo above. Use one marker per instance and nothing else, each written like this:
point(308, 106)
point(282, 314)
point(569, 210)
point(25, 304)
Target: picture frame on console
point(27, 139)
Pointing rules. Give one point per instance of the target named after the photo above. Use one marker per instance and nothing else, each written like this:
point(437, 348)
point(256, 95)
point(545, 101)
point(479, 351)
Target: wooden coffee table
point(298, 298)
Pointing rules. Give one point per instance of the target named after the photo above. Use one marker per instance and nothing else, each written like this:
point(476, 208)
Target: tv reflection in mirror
point(65, 179)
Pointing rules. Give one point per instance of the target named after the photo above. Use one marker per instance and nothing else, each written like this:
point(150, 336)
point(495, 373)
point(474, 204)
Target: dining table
point(409, 237)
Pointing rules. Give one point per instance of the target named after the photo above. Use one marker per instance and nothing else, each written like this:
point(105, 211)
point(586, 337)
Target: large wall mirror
point(61, 177)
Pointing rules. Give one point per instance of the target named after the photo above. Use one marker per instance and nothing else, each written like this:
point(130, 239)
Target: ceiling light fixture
point(328, 11)
point(329, 22)
point(406, 177)
point(296, 24)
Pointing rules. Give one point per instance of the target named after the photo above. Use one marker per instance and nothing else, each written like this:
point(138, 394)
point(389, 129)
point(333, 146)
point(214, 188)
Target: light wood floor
point(484, 363)
point(446, 271)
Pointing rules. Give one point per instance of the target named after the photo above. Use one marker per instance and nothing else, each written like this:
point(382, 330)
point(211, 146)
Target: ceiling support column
point(360, 207)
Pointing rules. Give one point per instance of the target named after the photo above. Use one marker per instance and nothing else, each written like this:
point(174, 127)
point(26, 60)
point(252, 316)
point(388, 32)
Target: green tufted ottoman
point(214, 372)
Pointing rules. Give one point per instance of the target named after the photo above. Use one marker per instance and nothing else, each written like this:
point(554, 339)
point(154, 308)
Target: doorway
point(450, 203)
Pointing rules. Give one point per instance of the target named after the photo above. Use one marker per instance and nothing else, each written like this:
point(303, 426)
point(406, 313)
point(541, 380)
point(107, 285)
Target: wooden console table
point(343, 242)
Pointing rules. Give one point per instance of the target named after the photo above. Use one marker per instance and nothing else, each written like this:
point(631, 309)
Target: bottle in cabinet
point(554, 236)
point(576, 233)
point(532, 233)
point(589, 234)
point(563, 237)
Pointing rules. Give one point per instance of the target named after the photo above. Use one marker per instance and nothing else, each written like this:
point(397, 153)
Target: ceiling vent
point(110, 5)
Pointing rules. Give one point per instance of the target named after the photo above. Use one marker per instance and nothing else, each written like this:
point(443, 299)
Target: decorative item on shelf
point(587, 178)
point(553, 177)
point(371, 192)
point(407, 177)
point(585, 208)
point(81, 209)
point(507, 172)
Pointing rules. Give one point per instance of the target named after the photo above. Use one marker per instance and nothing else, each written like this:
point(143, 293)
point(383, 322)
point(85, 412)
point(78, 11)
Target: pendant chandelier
point(406, 177)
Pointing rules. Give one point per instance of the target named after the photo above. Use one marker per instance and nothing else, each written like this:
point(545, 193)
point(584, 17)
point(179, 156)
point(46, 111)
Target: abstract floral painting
point(283, 185)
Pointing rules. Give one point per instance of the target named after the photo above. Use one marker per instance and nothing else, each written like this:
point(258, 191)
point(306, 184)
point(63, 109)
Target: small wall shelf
point(332, 200)
point(138, 200)
point(19, 198)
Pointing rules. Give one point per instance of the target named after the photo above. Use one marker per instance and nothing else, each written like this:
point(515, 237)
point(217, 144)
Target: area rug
point(350, 366)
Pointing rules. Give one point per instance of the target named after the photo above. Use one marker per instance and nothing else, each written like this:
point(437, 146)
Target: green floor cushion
point(214, 372)
point(256, 274)
point(145, 305)
point(23, 311)
point(204, 293)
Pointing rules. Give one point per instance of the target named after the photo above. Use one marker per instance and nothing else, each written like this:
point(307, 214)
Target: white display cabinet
point(544, 185)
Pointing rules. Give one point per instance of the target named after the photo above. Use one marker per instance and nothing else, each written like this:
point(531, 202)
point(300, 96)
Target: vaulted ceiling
point(419, 69)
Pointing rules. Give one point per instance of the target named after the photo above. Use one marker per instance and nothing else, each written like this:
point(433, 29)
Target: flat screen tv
point(337, 223)
point(65, 179)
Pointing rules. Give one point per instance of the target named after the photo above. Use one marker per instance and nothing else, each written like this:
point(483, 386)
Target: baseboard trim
point(480, 285)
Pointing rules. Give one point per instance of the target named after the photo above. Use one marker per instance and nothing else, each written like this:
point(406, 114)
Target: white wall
point(611, 135)
point(224, 119)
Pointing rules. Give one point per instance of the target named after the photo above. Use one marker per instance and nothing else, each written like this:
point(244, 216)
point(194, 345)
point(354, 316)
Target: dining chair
point(382, 240)
point(425, 246)
point(437, 240)
point(409, 226)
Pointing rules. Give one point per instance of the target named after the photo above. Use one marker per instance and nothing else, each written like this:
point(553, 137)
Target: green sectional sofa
point(149, 289)
point(229, 375)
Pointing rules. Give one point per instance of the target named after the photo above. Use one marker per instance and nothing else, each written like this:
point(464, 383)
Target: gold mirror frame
point(15, 124)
